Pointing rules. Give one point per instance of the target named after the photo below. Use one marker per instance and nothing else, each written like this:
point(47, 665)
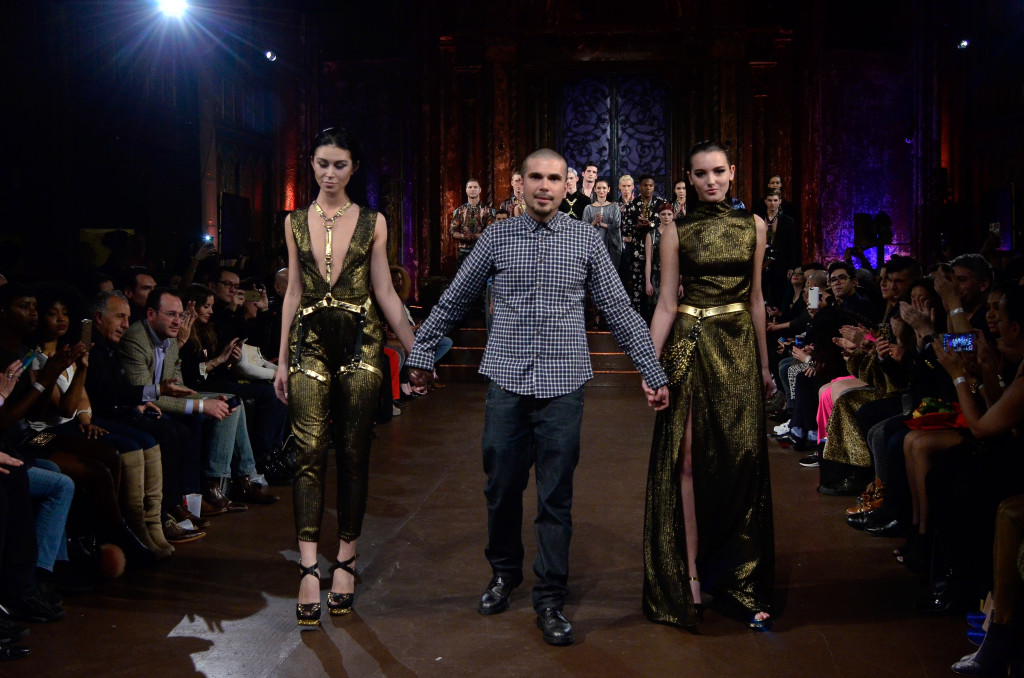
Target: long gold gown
point(736, 542)
point(334, 379)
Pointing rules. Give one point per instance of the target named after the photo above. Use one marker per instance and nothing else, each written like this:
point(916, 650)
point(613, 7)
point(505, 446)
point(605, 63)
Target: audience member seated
point(113, 398)
point(149, 352)
point(69, 413)
point(211, 366)
point(967, 482)
point(137, 284)
point(842, 278)
point(92, 464)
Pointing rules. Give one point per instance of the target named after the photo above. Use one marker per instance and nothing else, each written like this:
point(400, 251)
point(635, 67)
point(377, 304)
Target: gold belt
point(330, 302)
point(714, 310)
point(357, 364)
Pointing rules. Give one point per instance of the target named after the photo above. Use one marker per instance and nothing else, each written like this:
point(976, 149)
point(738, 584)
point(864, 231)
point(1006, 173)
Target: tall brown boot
point(133, 470)
point(153, 501)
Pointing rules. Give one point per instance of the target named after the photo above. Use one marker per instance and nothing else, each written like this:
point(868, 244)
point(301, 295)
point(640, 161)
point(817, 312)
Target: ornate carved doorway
point(623, 123)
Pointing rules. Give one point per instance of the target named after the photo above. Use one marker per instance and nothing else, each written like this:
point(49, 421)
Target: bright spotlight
point(174, 8)
point(271, 55)
point(963, 44)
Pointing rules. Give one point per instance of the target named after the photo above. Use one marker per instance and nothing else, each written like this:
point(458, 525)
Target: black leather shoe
point(893, 528)
point(8, 652)
point(11, 632)
point(495, 598)
point(858, 521)
point(557, 629)
point(847, 487)
point(32, 607)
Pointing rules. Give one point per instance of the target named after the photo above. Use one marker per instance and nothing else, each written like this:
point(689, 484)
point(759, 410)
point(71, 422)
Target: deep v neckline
point(344, 260)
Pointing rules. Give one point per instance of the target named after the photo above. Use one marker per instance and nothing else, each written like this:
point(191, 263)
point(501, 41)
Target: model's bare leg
point(689, 505)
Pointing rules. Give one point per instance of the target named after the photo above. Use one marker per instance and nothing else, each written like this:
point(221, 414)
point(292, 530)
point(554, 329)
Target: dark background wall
point(123, 119)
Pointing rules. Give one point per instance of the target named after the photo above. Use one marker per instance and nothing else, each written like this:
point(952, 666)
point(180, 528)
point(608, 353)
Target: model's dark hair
point(644, 177)
point(337, 136)
point(593, 164)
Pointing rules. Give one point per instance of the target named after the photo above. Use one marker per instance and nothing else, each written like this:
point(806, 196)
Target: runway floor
point(224, 606)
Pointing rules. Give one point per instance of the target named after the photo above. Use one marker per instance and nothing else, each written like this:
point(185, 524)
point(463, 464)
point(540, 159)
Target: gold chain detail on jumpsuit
point(328, 228)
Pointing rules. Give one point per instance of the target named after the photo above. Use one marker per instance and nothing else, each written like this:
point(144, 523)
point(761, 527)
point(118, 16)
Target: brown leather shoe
point(244, 490)
point(178, 535)
point(209, 509)
point(181, 514)
point(213, 494)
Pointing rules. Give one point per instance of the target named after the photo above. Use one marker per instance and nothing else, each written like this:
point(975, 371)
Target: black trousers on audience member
point(17, 535)
point(805, 408)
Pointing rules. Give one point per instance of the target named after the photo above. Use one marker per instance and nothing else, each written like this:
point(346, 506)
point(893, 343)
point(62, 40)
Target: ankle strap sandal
point(341, 603)
point(308, 614)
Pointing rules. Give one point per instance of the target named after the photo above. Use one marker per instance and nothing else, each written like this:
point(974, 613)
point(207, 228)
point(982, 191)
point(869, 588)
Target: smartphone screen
point(252, 295)
point(26, 362)
point(814, 297)
point(960, 343)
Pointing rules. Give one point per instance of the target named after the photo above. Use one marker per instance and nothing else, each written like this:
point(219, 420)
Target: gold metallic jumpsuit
point(334, 378)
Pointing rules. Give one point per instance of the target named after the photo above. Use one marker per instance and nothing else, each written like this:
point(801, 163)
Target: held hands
point(421, 380)
point(657, 400)
point(854, 335)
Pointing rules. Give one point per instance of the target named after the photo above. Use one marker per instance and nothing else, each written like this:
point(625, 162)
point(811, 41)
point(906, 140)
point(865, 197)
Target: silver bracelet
point(959, 380)
point(957, 311)
point(39, 387)
point(200, 406)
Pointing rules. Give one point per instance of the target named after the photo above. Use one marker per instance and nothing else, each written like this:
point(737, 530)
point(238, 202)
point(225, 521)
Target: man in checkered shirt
point(544, 262)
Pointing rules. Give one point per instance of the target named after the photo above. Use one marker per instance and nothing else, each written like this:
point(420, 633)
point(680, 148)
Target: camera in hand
point(960, 343)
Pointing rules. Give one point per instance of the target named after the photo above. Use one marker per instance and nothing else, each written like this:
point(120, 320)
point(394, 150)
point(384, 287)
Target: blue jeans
point(51, 492)
point(520, 432)
point(228, 451)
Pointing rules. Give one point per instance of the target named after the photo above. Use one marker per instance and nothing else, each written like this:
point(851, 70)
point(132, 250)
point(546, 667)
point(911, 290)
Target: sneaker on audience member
point(810, 461)
point(782, 429)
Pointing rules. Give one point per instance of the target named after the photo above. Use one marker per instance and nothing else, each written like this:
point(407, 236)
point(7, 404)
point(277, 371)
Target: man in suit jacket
point(149, 352)
point(113, 397)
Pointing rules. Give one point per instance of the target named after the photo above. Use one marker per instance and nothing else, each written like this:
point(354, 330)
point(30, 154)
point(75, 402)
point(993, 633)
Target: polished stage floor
point(224, 606)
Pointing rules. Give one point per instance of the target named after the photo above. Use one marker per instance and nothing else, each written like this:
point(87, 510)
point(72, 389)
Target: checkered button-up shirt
point(538, 340)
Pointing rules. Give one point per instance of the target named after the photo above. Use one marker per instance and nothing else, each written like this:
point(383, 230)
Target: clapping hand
point(854, 335)
point(188, 318)
point(9, 378)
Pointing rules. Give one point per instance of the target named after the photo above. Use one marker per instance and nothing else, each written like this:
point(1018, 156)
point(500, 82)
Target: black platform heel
point(308, 614)
point(341, 603)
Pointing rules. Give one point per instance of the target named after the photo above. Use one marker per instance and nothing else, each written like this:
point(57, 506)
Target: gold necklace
point(328, 227)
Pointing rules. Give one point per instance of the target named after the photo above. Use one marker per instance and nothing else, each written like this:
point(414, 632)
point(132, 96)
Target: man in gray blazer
point(149, 352)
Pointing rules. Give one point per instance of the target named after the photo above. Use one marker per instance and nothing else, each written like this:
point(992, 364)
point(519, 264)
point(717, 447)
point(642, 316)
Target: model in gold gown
point(708, 522)
point(329, 373)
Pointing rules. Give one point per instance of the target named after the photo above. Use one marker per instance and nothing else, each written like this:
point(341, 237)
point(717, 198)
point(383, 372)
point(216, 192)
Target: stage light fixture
point(963, 44)
point(173, 8)
point(271, 55)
